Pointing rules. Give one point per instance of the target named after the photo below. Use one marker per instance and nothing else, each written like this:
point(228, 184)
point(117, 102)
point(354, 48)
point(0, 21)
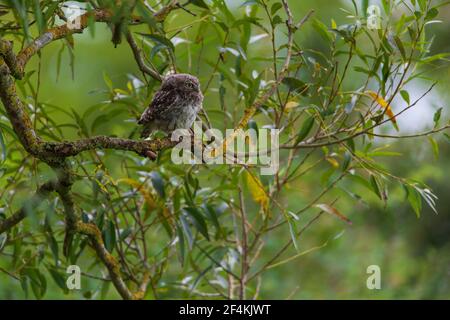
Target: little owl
point(174, 106)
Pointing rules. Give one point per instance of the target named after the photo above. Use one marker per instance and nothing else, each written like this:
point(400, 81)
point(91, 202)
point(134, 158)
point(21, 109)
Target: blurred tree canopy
point(78, 186)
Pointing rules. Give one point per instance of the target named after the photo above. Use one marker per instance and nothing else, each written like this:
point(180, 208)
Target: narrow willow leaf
point(293, 232)
point(211, 213)
point(400, 47)
point(181, 244)
point(322, 30)
point(333, 211)
point(141, 189)
point(384, 104)
point(434, 147)
point(187, 231)
point(414, 199)
point(295, 84)
point(198, 220)
point(306, 128)
point(3, 147)
point(375, 186)
point(158, 183)
point(347, 161)
point(199, 3)
point(159, 40)
point(437, 117)
point(257, 190)
point(39, 17)
point(58, 278)
point(109, 236)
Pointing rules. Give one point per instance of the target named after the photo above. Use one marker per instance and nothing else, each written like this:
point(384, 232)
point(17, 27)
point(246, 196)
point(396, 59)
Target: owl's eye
point(190, 85)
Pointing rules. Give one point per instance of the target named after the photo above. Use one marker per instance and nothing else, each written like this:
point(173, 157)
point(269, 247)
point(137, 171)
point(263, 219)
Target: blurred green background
point(413, 253)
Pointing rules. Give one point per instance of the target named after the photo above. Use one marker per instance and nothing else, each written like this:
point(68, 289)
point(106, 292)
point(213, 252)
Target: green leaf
point(295, 84)
point(347, 161)
point(437, 117)
point(351, 144)
point(37, 281)
point(198, 220)
point(306, 128)
point(447, 136)
point(158, 183)
point(434, 147)
point(275, 7)
point(422, 4)
point(386, 6)
point(199, 3)
point(39, 17)
point(322, 29)
point(124, 234)
point(293, 232)
point(3, 237)
point(3, 147)
point(146, 15)
point(250, 3)
point(405, 96)
point(58, 278)
point(108, 81)
point(181, 244)
point(375, 186)
point(277, 20)
point(414, 199)
point(109, 235)
point(400, 47)
point(211, 213)
point(431, 14)
point(187, 231)
point(365, 6)
point(53, 247)
point(159, 40)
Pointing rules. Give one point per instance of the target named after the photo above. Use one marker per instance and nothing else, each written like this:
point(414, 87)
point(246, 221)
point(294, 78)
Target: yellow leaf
point(383, 103)
point(333, 162)
point(257, 190)
point(142, 190)
point(163, 214)
point(333, 211)
point(333, 24)
point(290, 105)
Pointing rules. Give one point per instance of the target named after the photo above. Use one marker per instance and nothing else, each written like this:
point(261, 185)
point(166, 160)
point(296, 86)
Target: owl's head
point(181, 81)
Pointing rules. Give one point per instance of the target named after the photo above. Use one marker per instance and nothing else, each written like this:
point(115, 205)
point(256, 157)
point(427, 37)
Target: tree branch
point(34, 202)
point(54, 153)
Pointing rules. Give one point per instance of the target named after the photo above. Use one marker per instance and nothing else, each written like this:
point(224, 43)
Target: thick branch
point(48, 151)
point(99, 15)
point(72, 148)
point(108, 260)
point(60, 32)
point(75, 225)
point(20, 120)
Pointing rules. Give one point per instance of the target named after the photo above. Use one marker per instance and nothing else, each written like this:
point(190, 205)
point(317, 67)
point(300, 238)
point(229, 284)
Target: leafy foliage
point(199, 230)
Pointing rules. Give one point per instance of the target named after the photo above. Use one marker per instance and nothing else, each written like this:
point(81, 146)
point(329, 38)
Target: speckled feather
point(174, 106)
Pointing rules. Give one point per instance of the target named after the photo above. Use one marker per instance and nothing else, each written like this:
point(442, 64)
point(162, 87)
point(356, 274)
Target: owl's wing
point(162, 101)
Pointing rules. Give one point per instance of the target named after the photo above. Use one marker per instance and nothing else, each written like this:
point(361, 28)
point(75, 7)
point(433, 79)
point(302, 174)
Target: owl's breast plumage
point(170, 110)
